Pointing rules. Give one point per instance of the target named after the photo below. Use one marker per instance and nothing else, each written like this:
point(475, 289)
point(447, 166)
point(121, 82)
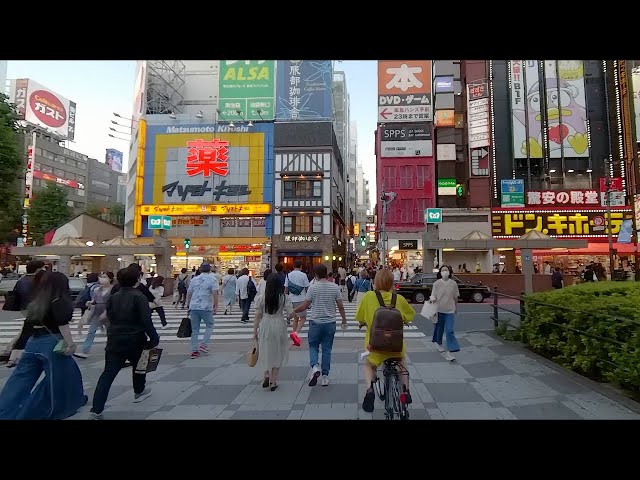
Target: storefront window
point(421, 176)
point(389, 178)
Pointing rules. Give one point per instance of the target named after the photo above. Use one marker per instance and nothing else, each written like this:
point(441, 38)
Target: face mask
point(104, 281)
point(445, 274)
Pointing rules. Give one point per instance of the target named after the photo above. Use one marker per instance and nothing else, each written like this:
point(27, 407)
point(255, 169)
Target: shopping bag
point(10, 302)
point(430, 310)
point(184, 331)
point(149, 361)
point(253, 355)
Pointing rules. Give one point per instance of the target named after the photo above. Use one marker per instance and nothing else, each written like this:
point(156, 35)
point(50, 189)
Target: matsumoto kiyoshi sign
point(247, 86)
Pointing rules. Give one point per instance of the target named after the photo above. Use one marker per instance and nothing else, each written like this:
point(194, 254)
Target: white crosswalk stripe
point(225, 327)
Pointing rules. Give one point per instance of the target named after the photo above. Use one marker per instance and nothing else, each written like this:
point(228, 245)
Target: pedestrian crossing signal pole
point(187, 246)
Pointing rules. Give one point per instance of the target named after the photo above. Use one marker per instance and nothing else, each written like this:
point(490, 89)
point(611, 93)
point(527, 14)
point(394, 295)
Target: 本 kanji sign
point(247, 86)
point(207, 157)
point(574, 223)
point(403, 84)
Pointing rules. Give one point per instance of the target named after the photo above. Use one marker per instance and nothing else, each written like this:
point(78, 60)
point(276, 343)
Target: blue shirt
point(201, 289)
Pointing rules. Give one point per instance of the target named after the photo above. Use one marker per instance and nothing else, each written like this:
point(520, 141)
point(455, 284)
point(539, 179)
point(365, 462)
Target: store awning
point(594, 248)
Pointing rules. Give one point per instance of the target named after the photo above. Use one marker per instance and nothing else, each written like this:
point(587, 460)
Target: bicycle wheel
point(388, 401)
point(379, 389)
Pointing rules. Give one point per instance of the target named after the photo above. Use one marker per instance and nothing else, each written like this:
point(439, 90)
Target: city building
point(3, 75)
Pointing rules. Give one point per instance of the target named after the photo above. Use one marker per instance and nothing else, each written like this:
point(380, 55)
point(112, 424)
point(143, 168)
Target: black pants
point(163, 318)
point(245, 304)
point(182, 297)
point(114, 362)
point(350, 292)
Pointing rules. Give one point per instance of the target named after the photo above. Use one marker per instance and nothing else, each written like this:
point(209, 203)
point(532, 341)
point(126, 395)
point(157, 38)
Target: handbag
point(253, 355)
point(86, 316)
point(184, 330)
point(10, 302)
point(430, 310)
point(149, 361)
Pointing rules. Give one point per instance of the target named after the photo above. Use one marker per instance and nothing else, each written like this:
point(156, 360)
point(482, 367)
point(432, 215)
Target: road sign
point(433, 215)
point(512, 193)
point(159, 222)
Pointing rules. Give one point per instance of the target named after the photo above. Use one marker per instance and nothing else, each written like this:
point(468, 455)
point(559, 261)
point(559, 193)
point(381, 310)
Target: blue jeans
point(91, 335)
point(446, 322)
point(58, 396)
point(245, 304)
point(321, 334)
point(196, 317)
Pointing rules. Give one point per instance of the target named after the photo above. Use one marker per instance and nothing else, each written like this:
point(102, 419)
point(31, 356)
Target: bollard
point(523, 309)
point(495, 306)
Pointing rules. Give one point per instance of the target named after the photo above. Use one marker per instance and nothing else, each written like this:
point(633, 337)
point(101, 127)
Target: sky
point(102, 87)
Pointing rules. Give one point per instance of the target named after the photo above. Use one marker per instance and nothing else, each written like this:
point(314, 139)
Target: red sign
point(238, 248)
point(48, 108)
point(61, 181)
point(615, 185)
point(561, 198)
point(252, 259)
point(207, 157)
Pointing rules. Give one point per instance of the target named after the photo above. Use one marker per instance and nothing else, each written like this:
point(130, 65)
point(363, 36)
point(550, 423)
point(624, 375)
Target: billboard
point(479, 124)
point(40, 106)
point(635, 86)
point(58, 180)
point(570, 223)
point(563, 101)
point(512, 193)
point(247, 86)
point(139, 93)
point(113, 158)
point(406, 140)
point(304, 90)
point(404, 91)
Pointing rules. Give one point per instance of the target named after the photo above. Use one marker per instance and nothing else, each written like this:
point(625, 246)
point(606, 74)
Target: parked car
point(76, 286)
point(418, 289)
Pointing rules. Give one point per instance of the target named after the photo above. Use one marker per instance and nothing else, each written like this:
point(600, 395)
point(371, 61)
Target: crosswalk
point(225, 327)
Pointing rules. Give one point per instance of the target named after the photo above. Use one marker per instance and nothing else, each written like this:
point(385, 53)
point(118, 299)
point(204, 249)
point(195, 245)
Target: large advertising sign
point(304, 90)
point(479, 128)
point(570, 223)
point(205, 167)
point(40, 106)
point(635, 86)
point(113, 158)
point(563, 101)
point(247, 86)
point(58, 180)
point(404, 91)
point(406, 140)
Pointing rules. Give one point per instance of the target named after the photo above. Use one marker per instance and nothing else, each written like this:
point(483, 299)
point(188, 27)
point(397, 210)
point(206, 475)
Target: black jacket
point(141, 287)
point(129, 319)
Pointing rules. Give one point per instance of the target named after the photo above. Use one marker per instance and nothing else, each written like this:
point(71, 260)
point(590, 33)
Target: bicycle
point(394, 404)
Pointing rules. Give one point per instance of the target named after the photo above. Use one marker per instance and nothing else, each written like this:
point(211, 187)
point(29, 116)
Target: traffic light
point(187, 243)
point(459, 189)
point(363, 240)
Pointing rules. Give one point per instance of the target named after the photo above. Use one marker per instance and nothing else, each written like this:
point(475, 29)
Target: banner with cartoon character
point(564, 101)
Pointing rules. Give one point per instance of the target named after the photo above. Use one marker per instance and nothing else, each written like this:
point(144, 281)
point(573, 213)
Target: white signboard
point(414, 148)
point(446, 151)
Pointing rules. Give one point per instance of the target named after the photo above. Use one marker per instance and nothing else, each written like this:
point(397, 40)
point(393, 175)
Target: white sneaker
point(440, 348)
point(325, 380)
point(450, 357)
point(164, 327)
point(315, 373)
point(95, 416)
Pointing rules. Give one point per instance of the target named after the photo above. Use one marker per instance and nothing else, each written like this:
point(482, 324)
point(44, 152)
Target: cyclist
point(366, 309)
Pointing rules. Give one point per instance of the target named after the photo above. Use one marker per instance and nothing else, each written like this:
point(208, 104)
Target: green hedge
point(588, 303)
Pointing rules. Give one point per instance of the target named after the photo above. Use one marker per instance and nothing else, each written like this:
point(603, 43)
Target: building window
point(302, 224)
point(47, 169)
point(98, 183)
point(70, 203)
point(421, 176)
point(71, 163)
point(58, 173)
point(302, 189)
point(406, 180)
point(80, 192)
point(38, 151)
point(82, 165)
point(317, 224)
point(81, 178)
point(36, 166)
point(287, 224)
point(406, 210)
point(389, 180)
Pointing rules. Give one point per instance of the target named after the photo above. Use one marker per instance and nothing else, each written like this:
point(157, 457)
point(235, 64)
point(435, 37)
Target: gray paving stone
point(214, 359)
point(226, 415)
point(483, 392)
point(303, 395)
point(124, 415)
point(261, 415)
point(475, 355)
point(424, 357)
point(560, 383)
point(481, 339)
point(213, 395)
point(522, 364)
point(245, 393)
point(525, 402)
point(443, 371)
point(577, 409)
point(286, 393)
point(422, 393)
point(346, 393)
point(346, 357)
point(544, 411)
point(295, 415)
point(453, 393)
point(187, 393)
point(343, 372)
point(191, 374)
point(505, 414)
point(487, 369)
point(468, 411)
point(514, 387)
point(506, 349)
point(328, 412)
point(418, 413)
point(602, 407)
point(161, 393)
point(236, 375)
point(189, 412)
point(298, 358)
point(435, 414)
point(291, 373)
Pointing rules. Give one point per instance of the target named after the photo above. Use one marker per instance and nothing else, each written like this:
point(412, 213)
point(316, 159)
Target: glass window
point(406, 210)
point(82, 165)
point(317, 189)
point(80, 192)
point(47, 169)
point(302, 224)
point(287, 224)
point(81, 178)
point(421, 176)
point(38, 151)
point(70, 203)
point(58, 173)
point(317, 224)
point(71, 163)
point(98, 183)
point(36, 166)
point(405, 176)
point(302, 189)
point(389, 180)
point(60, 159)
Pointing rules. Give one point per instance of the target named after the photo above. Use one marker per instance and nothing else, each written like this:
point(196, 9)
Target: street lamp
point(608, 204)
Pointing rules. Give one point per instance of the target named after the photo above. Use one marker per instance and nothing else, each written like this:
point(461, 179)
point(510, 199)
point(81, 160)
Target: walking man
point(202, 302)
point(323, 296)
point(296, 285)
point(243, 294)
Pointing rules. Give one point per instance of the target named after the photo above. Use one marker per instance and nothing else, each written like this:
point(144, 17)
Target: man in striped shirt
point(323, 296)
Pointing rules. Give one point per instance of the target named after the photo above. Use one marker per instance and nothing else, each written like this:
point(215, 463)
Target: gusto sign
point(207, 157)
point(48, 108)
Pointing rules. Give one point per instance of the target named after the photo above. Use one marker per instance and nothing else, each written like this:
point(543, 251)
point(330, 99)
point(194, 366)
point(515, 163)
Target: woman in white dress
point(270, 329)
point(262, 284)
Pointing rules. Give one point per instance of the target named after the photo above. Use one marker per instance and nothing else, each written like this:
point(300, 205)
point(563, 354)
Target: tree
point(113, 214)
point(116, 213)
point(94, 210)
point(11, 169)
point(49, 210)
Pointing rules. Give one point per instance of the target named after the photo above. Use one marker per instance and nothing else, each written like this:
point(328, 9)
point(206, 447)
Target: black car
point(418, 289)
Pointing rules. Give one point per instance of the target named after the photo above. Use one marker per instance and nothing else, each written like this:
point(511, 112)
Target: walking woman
point(270, 329)
point(60, 394)
point(445, 294)
point(229, 290)
point(157, 290)
point(262, 284)
point(98, 305)
point(362, 286)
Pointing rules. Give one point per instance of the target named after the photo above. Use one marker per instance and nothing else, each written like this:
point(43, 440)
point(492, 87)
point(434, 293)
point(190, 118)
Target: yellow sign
point(219, 209)
point(356, 229)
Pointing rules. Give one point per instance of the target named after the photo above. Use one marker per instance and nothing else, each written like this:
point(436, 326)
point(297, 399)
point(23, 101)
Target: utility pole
point(608, 204)
point(386, 198)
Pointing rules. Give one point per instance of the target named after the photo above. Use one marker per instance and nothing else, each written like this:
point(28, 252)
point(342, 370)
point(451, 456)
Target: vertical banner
point(518, 108)
point(304, 90)
point(18, 96)
point(635, 85)
point(247, 86)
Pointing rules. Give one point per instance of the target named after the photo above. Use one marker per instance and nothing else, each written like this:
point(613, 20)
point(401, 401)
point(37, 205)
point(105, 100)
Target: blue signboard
point(512, 193)
point(304, 90)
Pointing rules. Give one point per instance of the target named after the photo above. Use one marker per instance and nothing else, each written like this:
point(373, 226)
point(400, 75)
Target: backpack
point(251, 290)
point(349, 283)
point(386, 329)
point(182, 284)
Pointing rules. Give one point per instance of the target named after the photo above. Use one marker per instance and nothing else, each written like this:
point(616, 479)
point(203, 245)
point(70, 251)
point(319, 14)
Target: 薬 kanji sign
point(207, 157)
point(404, 90)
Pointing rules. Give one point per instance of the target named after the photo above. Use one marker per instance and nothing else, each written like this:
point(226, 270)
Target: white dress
point(273, 339)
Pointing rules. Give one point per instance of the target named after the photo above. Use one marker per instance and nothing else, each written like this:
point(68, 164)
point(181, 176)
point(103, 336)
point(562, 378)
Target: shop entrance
point(308, 261)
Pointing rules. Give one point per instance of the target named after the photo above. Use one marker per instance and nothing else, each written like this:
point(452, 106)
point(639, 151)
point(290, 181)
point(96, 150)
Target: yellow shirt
point(367, 309)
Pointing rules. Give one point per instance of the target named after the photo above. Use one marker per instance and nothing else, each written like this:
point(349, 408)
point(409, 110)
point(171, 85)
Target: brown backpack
point(386, 328)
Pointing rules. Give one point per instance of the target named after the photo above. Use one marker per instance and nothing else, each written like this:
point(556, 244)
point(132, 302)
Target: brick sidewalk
point(489, 380)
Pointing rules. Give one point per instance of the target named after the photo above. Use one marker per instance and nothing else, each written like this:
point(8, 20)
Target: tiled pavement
point(489, 380)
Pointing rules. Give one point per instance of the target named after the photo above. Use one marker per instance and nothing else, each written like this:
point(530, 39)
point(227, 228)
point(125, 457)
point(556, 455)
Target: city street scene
point(405, 240)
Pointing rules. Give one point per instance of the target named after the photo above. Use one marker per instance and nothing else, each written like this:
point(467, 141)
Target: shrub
point(608, 312)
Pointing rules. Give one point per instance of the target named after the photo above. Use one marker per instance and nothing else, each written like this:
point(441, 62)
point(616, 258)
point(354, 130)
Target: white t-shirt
point(298, 278)
point(396, 275)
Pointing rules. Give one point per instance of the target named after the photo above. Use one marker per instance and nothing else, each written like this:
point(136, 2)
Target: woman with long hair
point(98, 306)
point(262, 284)
point(157, 290)
point(270, 329)
point(60, 394)
point(229, 290)
point(445, 294)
